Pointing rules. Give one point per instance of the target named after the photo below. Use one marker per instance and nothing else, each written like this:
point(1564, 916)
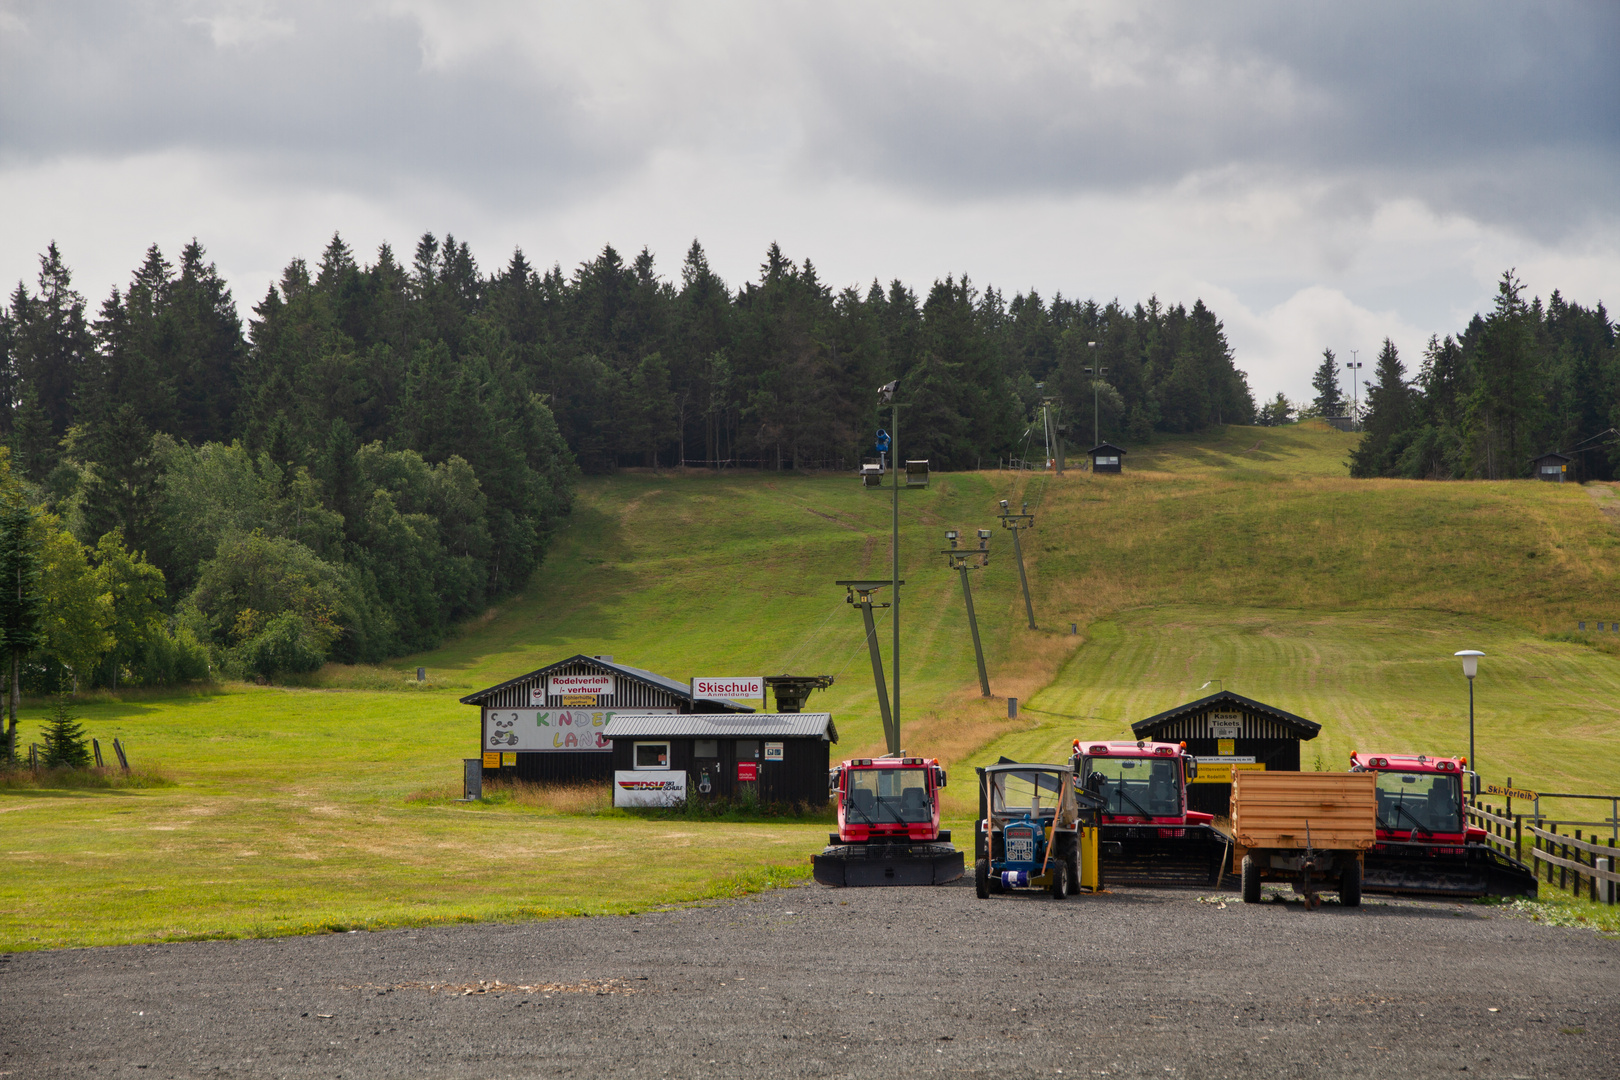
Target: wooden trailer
point(1308, 829)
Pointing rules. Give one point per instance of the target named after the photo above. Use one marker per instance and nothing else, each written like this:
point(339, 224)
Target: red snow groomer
point(1425, 845)
point(888, 825)
point(1148, 835)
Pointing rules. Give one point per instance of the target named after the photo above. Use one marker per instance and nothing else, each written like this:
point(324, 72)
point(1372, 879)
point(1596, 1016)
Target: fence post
point(95, 744)
point(1552, 849)
point(1611, 889)
point(1518, 833)
point(123, 761)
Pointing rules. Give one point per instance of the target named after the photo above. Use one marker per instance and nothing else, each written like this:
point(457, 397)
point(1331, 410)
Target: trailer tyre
point(981, 878)
point(1251, 880)
point(1072, 861)
point(1060, 878)
point(1350, 884)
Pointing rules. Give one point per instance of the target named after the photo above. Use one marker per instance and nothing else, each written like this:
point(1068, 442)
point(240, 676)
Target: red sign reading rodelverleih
point(730, 688)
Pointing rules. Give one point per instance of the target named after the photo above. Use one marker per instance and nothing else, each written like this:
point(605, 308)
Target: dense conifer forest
point(382, 448)
point(1525, 379)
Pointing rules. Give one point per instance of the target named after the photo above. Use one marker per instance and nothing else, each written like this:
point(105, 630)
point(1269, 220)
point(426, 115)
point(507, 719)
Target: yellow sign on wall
point(1226, 747)
point(492, 760)
point(579, 701)
point(1216, 771)
point(508, 758)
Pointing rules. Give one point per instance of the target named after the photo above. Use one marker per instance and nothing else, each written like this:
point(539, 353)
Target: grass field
point(1242, 558)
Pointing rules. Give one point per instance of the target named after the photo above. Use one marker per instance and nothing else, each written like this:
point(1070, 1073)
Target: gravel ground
point(820, 982)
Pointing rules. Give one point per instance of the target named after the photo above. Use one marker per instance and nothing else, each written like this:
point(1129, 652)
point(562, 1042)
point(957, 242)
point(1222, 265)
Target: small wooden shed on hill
point(550, 724)
point(1553, 467)
point(776, 757)
point(1229, 732)
point(1106, 458)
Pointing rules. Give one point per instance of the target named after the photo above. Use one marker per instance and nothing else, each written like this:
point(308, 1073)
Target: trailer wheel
point(1350, 884)
point(1060, 878)
point(1251, 880)
point(1072, 861)
point(981, 878)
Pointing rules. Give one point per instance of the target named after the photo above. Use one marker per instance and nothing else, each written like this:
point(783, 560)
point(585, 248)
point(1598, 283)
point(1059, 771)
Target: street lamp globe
point(1470, 659)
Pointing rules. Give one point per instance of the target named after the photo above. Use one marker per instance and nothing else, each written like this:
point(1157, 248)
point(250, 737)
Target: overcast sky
point(1321, 175)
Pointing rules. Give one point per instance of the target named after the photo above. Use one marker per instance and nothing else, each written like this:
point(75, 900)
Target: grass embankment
point(1243, 557)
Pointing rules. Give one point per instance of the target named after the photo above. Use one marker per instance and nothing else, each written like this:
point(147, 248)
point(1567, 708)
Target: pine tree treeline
point(386, 447)
point(1526, 379)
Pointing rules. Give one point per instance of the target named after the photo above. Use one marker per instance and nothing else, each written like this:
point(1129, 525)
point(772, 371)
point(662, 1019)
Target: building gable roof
point(1107, 448)
point(1307, 729)
point(1550, 455)
point(680, 690)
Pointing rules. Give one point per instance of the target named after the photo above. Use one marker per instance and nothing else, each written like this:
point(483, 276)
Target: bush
point(172, 659)
point(285, 645)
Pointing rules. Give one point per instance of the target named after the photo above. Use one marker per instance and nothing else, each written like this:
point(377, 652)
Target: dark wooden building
point(1106, 458)
point(549, 725)
point(1552, 468)
point(1236, 733)
point(780, 757)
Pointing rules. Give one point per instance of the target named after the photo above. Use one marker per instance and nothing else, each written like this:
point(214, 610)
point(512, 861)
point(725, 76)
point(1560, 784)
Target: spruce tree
point(21, 602)
point(1328, 401)
point(66, 744)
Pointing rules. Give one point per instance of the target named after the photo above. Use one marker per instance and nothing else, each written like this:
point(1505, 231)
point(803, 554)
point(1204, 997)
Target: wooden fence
point(1580, 863)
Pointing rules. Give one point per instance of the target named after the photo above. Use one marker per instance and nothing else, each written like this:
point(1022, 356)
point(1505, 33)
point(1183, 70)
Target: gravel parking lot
point(874, 982)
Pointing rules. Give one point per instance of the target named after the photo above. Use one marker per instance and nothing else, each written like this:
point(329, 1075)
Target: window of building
point(1108, 459)
point(652, 755)
point(706, 748)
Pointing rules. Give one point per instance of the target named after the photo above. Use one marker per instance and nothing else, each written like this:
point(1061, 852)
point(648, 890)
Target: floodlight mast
point(894, 561)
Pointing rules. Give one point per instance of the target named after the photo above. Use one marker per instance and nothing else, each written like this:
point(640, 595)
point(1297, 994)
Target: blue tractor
point(1028, 833)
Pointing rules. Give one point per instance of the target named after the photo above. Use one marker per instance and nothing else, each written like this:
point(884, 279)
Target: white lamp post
point(1470, 659)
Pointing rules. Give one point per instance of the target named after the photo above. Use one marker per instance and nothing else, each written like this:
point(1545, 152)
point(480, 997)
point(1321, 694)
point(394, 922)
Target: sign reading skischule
point(729, 687)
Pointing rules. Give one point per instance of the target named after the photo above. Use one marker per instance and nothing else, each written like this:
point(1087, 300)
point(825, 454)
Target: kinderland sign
point(546, 729)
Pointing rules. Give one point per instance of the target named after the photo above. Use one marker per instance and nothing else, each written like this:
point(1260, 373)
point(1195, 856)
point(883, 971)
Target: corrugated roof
point(652, 678)
point(1307, 729)
point(812, 725)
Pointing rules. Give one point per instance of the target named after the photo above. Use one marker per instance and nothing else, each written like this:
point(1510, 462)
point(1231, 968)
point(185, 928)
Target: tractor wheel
point(1251, 880)
point(1071, 859)
point(1060, 878)
point(981, 878)
point(1350, 884)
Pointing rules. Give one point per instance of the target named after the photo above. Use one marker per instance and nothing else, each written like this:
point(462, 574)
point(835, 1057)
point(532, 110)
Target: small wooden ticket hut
point(1228, 732)
point(1553, 468)
point(777, 757)
point(1106, 458)
point(549, 724)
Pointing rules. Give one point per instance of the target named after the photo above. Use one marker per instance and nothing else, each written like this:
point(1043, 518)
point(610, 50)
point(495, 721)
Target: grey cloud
point(343, 98)
point(1506, 112)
